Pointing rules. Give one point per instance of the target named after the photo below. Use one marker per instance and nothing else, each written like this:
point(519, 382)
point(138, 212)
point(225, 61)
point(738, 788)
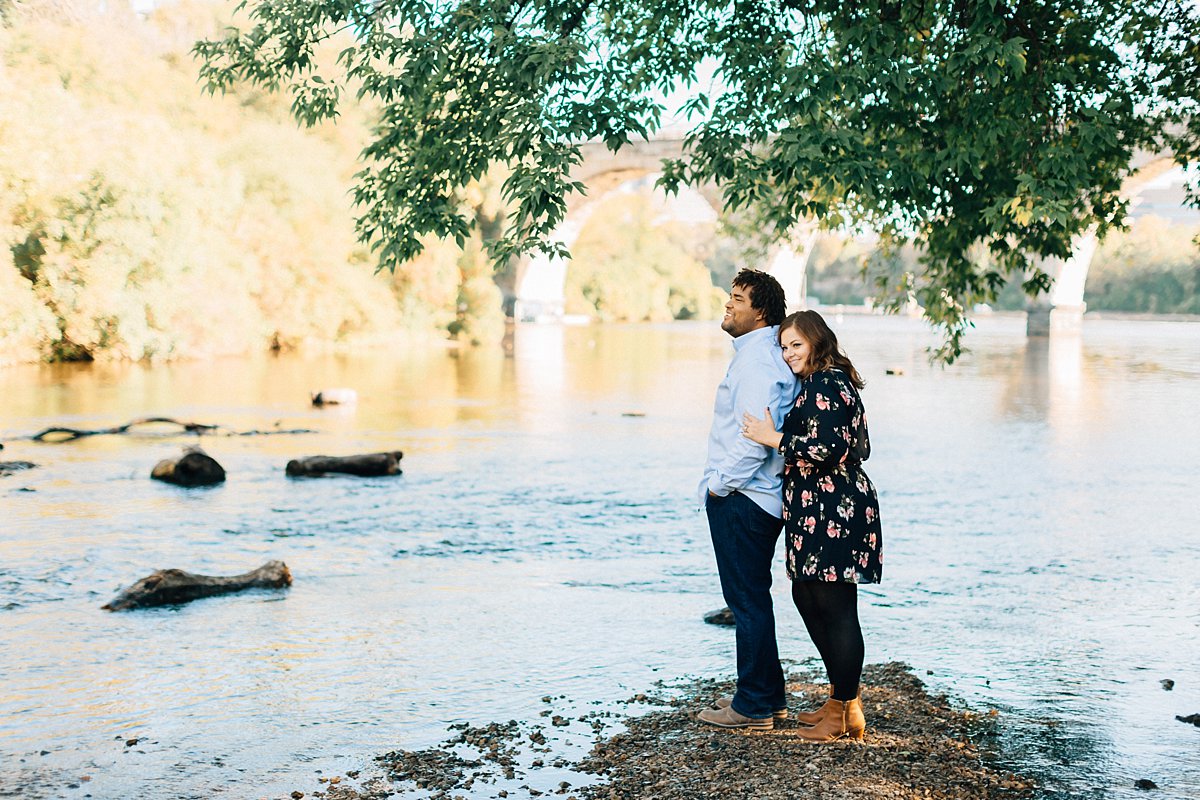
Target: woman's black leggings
point(830, 612)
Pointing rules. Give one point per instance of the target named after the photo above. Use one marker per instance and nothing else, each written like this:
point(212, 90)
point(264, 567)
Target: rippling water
point(1038, 505)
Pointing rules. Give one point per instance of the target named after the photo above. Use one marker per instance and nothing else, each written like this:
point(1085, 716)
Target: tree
point(957, 125)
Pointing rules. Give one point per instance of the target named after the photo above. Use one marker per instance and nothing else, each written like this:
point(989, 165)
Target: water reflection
point(1038, 499)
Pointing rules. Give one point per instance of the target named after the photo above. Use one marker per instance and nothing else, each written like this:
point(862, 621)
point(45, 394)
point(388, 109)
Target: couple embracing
point(785, 453)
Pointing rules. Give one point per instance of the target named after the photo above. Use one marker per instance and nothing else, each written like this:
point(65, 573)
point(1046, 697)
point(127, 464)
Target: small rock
point(335, 397)
point(297, 795)
point(1144, 783)
point(130, 742)
point(537, 762)
point(1167, 684)
point(1193, 719)
point(558, 721)
point(722, 616)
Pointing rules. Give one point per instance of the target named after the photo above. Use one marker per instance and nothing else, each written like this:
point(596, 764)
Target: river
point(1038, 503)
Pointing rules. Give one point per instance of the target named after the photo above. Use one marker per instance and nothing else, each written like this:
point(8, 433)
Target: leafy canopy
point(960, 126)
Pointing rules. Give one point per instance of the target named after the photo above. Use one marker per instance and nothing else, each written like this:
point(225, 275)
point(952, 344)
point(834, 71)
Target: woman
point(830, 512)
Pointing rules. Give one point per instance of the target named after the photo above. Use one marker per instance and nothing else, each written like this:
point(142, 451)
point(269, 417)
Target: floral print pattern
point(830, 509)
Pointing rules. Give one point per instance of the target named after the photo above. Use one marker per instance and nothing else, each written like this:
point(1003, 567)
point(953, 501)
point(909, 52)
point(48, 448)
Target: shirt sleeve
point(816, 433)
point(754, 390)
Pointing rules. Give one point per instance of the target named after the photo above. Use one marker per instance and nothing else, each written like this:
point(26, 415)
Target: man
point(742, 494)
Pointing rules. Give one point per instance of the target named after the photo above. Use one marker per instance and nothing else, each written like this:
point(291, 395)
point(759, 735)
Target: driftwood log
point(366, 465)
point(334, 397)
point(194, 468)
point(9, 467)
point(60, 434)
point(173, 586)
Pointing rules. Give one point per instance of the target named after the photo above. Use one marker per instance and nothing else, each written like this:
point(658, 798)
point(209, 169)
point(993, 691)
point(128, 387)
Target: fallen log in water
point(366, 465)
point(57, 434)
point(174, 586)
point(194, 468)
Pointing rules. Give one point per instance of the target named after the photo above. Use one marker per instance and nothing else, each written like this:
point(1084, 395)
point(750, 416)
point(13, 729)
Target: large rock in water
point(194, 468)
point(174, 586)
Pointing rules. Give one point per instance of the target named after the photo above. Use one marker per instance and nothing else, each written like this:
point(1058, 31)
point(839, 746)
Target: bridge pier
point(789, 266)
point(1062, 309)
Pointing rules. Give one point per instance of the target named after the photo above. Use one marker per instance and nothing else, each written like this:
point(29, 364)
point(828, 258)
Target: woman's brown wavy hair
point(825, 352)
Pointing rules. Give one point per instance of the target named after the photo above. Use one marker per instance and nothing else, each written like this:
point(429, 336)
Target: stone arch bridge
point(540, 281)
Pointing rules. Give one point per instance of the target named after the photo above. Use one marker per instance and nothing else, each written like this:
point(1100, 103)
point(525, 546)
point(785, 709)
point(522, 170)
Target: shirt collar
point(756, 335)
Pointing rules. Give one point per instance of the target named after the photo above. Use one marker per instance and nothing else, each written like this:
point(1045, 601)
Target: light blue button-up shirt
point(757, 379)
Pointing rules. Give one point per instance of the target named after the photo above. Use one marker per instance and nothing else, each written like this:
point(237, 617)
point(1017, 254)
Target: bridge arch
point(540, 280)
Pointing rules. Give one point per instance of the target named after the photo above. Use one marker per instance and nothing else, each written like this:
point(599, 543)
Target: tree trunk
point(367, 465)
point(172, 586)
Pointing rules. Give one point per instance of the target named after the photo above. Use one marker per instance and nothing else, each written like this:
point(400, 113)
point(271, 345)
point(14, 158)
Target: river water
point(1038, 503)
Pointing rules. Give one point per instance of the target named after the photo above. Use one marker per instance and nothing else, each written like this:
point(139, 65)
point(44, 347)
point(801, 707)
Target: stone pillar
point(789, 266)
point(1062, 311)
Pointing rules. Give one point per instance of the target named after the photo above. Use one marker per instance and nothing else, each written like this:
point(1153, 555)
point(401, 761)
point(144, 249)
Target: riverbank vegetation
point(141, 218)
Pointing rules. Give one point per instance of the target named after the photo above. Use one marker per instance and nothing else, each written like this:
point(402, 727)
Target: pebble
point(1144, 783)
point(1167, 684)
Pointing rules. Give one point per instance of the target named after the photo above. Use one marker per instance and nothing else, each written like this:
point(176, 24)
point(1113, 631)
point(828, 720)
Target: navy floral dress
point(830, 509)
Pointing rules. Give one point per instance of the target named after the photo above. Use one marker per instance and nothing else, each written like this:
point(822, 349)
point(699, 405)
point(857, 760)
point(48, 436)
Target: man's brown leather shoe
point(728, 718)
point(724, 702)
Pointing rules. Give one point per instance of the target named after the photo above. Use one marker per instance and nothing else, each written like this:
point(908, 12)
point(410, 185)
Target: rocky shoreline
point(917, 747)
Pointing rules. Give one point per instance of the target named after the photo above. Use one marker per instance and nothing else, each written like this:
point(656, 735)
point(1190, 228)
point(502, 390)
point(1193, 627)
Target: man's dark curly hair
point(766, 295)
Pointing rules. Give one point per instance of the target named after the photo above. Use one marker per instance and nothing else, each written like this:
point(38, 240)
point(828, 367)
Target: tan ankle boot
point(842, 720)
point(813, 717)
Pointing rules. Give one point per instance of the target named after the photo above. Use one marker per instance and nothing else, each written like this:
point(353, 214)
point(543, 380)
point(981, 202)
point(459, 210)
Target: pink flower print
point(825, 484)
point(870, 512)
point(872, 540)
point(832, 530)
point(822, 402)
point(810, 565)
point(861, 483)
point(810, 524)
point(806, 498)
point(848, 574)
point(830, 574)
point(864, 558)
point(845, 396)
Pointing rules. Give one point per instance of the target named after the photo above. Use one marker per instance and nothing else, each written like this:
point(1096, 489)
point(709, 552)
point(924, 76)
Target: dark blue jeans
point(744, 538)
